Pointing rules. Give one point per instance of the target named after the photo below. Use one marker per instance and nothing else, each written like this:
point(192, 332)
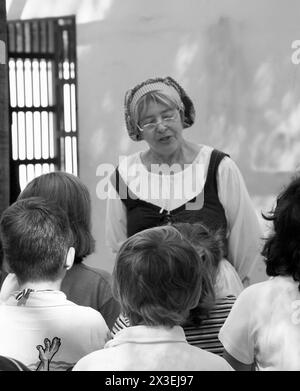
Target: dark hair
point(36, 236)
point(11, 364)
point(282, 248)
point(72, 196)
point(157, 277)
point(209, 246)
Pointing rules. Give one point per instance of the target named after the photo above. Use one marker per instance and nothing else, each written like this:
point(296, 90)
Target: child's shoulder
point(257, 288)
point(86, 314)
point(207, 361)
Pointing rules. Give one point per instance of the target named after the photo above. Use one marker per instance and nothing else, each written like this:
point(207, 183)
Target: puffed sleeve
point(244, 230)
point(236, 334)
point(116, 220)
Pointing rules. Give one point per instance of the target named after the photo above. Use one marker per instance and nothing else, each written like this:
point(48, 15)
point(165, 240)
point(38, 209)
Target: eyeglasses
point(166, 119)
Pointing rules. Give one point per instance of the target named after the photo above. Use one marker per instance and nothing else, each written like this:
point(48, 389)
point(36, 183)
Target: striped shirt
point(204, 336)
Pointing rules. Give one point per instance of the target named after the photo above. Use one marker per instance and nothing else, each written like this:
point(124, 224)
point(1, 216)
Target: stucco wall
point(233, 57)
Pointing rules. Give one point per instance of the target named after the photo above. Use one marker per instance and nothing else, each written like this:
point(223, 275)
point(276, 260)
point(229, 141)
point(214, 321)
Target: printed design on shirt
point(46, 355)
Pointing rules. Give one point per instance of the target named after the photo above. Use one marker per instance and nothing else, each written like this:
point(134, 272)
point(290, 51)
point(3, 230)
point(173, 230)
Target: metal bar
point(23, 37)
point(40, 95)
point(24, 93)
point(38, 56)
point(32, 105)
point(32, 109)
point(56, 73)
point(17, 133)
point(39, 35)
point(15, 77)
point(47, 87)
point(40, 161)
point(73, 42)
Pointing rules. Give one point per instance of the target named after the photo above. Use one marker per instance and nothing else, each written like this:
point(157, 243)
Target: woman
point(175, 180)
point(82, 284)
point(262, 330)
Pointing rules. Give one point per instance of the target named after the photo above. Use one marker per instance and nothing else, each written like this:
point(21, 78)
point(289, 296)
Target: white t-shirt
point(64, 330)
point(244, 231)
point(143, 348)
point(263, 326)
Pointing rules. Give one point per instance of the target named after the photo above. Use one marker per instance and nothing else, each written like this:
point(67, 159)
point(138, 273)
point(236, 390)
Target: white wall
point(233, 57)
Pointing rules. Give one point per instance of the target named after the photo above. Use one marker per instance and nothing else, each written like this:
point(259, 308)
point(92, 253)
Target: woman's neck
point(185, 154)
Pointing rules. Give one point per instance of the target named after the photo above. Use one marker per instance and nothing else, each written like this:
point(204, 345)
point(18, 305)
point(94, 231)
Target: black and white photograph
point(150, 189)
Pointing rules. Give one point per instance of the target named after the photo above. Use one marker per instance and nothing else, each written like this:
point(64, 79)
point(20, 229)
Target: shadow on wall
point(252, 109)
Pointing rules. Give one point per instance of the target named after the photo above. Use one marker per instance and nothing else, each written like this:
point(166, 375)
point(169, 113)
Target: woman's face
point(166, 137)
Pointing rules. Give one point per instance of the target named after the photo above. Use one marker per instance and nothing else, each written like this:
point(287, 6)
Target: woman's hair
point(73, 197)
point(282, 247)
point(156, 97)
point(158, 277)
point(210, 248)
point(34, 230)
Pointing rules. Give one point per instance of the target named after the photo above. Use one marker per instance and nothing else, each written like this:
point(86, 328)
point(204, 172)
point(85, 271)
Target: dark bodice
point(205, 207)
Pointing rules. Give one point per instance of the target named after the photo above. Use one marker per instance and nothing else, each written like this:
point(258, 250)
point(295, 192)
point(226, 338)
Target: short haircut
point(282, 247)
point(36, 236)
point(156, 97)
point(209, 246)
point(157, 277)
point(72, 196)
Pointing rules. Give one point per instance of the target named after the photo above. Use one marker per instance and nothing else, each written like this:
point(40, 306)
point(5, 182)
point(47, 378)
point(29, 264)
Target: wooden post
point(4, 105)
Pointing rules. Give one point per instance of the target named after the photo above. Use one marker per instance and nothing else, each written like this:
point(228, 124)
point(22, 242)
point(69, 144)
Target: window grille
point(43, 96)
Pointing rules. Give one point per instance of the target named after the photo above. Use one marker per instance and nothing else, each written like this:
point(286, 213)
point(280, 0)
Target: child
point(216, 299)
point(157, 279)
point(82, 284)
point(39, 326)
point(262, 330)
point(201, 330)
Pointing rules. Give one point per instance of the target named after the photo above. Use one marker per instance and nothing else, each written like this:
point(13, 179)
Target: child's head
point(157, 277)
point(37, 240)
point(209, 246)
point(73, 197)
point(282, 247)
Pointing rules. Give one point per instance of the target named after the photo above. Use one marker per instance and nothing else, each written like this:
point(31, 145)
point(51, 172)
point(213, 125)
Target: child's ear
point(70, 258)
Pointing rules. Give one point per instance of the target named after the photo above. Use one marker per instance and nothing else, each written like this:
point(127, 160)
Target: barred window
point(43, 96)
